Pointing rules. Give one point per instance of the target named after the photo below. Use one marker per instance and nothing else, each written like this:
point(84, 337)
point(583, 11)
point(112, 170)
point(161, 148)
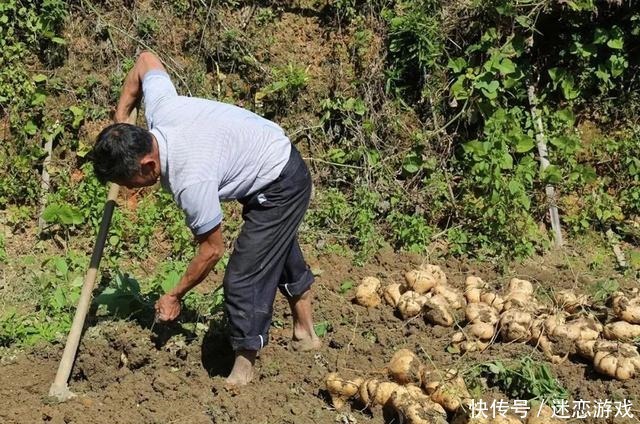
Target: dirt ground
point(126, 373)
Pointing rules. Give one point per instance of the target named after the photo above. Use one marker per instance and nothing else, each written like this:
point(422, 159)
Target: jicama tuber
point(374, 392)
point(493, 299)
point(542, 414)
point(557, 339)
point(481, 312)
point(437, 311)
point(367, 292)
point(583, 328)
point(627, 309)
point(341, 389)
point(473, 287)
point(482, 320)
point(450, 392)
point(621, 330)
point(392, 293)
point(454, 298)
point(410, 304)
point(459, 340)
point(405, 367)
point(424, 279)
point(516, 325)
point(542, 325)
point(615, 359)
point(416, 408)
point(569, 301)
point(519, 294)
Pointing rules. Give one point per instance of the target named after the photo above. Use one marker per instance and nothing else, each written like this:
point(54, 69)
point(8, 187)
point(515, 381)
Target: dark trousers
point(267, 256)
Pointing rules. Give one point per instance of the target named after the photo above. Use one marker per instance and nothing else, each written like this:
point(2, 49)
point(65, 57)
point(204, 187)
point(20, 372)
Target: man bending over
point(203, 152)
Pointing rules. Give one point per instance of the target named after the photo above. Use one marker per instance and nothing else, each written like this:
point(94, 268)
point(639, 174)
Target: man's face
point(146, 177)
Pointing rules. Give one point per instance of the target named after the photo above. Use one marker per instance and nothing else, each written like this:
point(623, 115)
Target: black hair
point(117, 152)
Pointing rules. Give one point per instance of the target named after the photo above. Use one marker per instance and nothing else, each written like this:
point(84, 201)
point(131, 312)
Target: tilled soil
point(126, 373)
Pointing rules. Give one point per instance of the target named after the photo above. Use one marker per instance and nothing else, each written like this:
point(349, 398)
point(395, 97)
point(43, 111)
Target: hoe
point(59, 389)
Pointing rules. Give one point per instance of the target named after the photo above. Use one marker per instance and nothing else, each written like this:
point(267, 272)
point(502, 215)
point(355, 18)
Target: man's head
point(126, 155)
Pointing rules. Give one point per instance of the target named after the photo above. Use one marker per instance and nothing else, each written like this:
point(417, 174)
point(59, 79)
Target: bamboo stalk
point(550, 190)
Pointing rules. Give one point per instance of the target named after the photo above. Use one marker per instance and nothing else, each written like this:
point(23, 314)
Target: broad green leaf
point(515, 187)
point(616, 43)
point(552, 174)
point(457, 65)
point(566, 115)
point(30, 128)
point(412, 163)
point(474, 146)
point(458, 90)
point(524, 143)
point(39, 78)
point(600, 36)
point(345, 286)
point(568, 88)
point(506, 66)
point(490, 90)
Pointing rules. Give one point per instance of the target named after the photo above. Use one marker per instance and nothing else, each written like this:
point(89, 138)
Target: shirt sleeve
point(157, 88)
point(201, 205)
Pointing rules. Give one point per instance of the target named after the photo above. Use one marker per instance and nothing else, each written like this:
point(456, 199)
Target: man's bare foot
point(303, 341)
point(304, 335)
point(242, 372)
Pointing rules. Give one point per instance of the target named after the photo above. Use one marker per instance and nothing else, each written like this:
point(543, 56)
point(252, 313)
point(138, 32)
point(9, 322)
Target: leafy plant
point(602, 290)
point(521, 379)
point(287, 82)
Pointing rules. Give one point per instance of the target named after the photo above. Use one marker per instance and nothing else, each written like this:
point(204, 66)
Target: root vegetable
point(539, 338)
point(416, 408)
point(583, 328)
point(541, 415)
point(424, 279)
point(481, 331)
point(374, 392)
point(569, 301)
point(621, 330)
point(515, 325)
point(454, 298)
point(618, 360)
point(392, 293)
point(367, 292)
point(481, 312)
point(437, 311)
point(451, 392)
point(493, 299)
point(627, 309)
point(473, 287)
point(615, 359)
point(341, 389)
point(405, 367)
point(460, 341)
point(410, 304)
point(519, 295)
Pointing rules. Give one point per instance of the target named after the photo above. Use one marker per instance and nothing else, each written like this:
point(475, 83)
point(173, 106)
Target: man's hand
point(167, 308)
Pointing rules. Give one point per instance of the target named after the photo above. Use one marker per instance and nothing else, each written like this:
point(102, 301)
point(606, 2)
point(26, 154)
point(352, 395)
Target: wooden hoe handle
point(59, 388)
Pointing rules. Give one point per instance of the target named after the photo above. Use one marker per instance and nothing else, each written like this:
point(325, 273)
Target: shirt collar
point(162, 151)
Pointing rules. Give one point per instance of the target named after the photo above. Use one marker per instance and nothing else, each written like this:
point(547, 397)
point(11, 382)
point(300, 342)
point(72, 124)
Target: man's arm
point(132, 87)
point(210, 251)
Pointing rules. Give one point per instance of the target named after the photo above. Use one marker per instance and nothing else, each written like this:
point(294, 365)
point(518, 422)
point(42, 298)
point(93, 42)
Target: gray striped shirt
point(210, 151)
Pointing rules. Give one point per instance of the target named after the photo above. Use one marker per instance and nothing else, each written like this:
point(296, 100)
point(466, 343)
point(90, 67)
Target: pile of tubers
point(484, 316)
point(417, 394)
